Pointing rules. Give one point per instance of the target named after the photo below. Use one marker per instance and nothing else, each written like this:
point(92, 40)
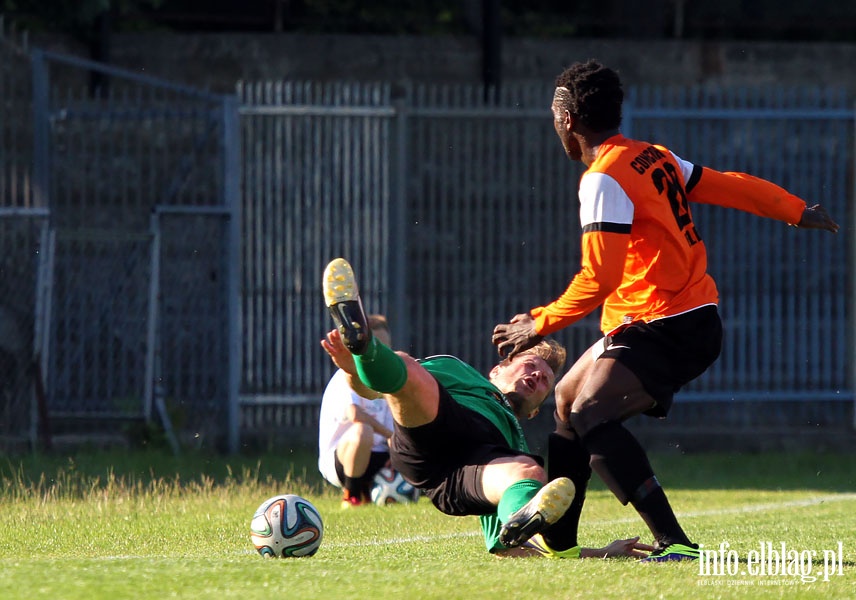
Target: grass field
point(122, 524)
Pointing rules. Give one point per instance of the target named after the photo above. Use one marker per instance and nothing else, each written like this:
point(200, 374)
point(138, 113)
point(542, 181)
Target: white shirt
point(334, 422)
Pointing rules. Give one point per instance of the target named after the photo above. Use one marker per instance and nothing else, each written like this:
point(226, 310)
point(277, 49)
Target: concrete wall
point(217, 61)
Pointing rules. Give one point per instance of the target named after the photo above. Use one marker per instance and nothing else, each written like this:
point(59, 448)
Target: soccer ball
point(286, 526)
point(389, 487)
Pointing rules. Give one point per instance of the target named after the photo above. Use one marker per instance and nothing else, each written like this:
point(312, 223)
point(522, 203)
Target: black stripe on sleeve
point(694, 177)
point(607, 227)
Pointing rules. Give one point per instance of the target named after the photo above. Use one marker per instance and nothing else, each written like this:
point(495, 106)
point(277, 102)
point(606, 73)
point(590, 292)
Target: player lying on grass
point(457, 434)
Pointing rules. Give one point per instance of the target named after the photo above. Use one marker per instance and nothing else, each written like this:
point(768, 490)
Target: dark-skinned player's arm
point(757, 196)
point(603, 257)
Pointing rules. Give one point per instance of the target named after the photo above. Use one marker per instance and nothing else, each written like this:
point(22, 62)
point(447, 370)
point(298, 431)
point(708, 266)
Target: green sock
point(380, 368)
point(516, 496)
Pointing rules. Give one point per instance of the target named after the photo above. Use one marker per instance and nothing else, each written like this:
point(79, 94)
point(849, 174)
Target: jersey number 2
point(667, 180)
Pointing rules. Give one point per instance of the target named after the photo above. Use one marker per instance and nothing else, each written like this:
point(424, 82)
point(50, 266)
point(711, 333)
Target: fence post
point(852, 378)
point(232, 202)
point(627, 113)
point(397, 251)
point(41, 199)
point(41, 131)
point(152, 315)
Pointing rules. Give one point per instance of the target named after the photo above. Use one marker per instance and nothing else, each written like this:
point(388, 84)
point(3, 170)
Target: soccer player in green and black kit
point(457, 434)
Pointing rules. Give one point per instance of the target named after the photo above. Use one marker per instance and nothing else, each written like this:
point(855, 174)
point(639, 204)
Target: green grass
point(147, 525)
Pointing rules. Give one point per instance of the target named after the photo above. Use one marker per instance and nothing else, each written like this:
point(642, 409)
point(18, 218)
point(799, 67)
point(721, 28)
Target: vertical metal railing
point(231, 144)
point(316, 186)
point(487, 222)
point(143, 325)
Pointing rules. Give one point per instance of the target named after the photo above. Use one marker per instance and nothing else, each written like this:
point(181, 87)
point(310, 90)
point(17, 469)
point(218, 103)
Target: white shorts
point(327, 467)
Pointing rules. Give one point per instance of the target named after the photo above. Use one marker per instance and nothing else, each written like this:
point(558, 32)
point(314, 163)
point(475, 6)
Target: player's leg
point(493, 478)
point(611, 395)
point(666, 355)
point(410, 391)
point(352, 456)
point(525, 502)
point(567, 457)
point(502, 474)
point(465, 466)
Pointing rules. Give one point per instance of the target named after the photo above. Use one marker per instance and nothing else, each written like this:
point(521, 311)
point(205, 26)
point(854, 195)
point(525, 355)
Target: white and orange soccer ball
point(286, 526)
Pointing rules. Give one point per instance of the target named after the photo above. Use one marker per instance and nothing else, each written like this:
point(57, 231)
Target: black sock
point(657, 513)
point(354, 486)
point(567, 457)
point(621, 462)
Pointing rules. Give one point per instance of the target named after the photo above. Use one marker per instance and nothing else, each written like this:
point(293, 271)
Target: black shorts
point(445, 458)
point(668, 353)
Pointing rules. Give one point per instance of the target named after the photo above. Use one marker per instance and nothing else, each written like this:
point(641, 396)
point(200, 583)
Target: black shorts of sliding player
point(445, 458)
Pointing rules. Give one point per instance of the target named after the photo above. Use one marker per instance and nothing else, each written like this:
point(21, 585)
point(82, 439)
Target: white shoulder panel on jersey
point(602, 200)
point(686, 166)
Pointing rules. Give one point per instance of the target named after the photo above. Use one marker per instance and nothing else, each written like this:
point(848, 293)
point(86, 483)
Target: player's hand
point(339, 354)
point(512, 338)
point(816, 217)
point(631, 548)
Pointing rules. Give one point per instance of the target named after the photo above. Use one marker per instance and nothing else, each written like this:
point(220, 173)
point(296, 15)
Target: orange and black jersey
point(642, 258)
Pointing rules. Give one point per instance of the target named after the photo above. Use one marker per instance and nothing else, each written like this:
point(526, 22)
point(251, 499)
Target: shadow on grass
point(766, 471)
point(150, 465)
point(726, 471)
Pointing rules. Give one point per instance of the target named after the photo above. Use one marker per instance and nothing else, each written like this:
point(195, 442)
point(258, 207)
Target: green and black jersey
point(474, 391)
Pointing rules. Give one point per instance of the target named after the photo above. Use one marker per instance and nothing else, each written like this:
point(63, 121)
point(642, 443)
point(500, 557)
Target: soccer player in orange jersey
point(645, 264)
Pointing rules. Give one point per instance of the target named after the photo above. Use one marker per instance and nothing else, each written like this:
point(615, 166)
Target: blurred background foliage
point(772, 20)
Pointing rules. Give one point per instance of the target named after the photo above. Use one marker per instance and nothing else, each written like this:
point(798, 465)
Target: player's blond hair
point(553, 353)
point(377, 321)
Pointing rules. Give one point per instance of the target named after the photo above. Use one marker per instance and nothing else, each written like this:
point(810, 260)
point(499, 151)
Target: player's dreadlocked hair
point(593, 94)
point(553, 353)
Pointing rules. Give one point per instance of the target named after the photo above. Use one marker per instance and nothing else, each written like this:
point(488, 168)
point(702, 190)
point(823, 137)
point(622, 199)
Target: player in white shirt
point(354, 432)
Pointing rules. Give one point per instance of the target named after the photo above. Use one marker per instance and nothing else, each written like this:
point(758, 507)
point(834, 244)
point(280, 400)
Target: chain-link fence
point(120, 281)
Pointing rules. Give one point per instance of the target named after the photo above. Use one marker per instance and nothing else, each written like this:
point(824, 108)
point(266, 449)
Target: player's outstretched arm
point(816, 217)
point(760, 197)
point(630, 548)
point(342, 358)
point(339, 354)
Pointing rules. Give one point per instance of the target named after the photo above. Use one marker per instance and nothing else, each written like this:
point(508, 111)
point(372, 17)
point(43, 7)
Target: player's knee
point(503, 472)
point(527, 468)
point(566, 389)
point(587, 413)
point(359, 433)
point(564, 404)
point(417, 376)
point(564, 428)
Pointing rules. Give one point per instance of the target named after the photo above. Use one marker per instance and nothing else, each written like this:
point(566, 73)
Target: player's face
point(561, 122)
point(530, 379)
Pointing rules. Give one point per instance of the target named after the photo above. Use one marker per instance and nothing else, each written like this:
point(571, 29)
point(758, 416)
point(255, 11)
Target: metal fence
point(784, 292)
point(22, 225)
point(128, 270)
point(475, 219)
point(163, 246)
point(316, 184)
